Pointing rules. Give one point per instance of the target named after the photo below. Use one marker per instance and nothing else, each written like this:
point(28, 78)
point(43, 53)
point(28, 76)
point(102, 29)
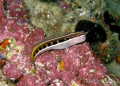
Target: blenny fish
point(58, 43)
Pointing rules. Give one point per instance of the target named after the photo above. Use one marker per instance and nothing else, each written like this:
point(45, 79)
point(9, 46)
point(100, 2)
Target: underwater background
point(25, 24)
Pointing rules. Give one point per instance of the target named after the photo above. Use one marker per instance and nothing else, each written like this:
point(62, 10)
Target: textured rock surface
point(76, 65)
point(61, 16)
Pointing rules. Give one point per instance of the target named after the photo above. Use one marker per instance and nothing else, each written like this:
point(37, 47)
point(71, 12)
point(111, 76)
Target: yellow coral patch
point(61, 65)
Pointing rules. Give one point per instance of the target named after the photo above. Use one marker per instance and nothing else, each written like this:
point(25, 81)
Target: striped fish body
point(58, 43)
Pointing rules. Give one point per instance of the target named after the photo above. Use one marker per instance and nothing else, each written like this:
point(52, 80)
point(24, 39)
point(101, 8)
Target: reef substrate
point(73, 66)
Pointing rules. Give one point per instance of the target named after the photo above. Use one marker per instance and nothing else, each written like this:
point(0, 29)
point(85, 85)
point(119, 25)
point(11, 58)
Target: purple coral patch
point(57, 67)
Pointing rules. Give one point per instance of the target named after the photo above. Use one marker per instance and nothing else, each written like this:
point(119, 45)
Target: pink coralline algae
point(73, 66)
point(15, 8)
point(65, 7)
